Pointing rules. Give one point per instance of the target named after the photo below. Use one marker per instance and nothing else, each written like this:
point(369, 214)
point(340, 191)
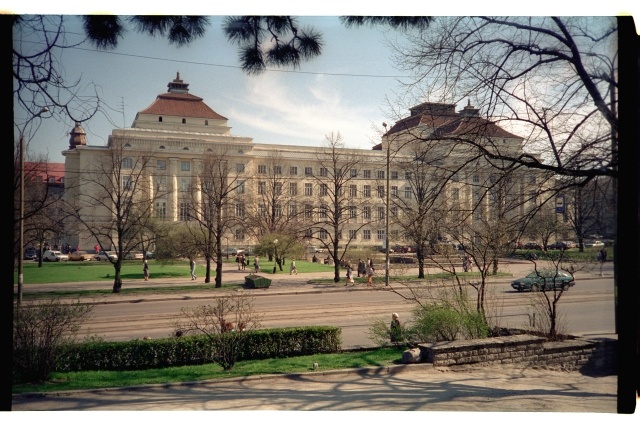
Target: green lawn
point(101, 379)
point(57, 272)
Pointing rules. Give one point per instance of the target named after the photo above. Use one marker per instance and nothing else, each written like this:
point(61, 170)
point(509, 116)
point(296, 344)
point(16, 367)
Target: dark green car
point(544, 280)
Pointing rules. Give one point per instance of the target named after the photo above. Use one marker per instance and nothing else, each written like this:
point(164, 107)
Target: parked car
point(54, 256)
point(230, 251)
point(80, 255)
point(105, 256)
point(134, 255)
point(30, 253)
point(150, 255)
point(402, 260)
point(532, 245)
point(593, 243)
point(315, 249)
point(544, 280)
point(558, 245)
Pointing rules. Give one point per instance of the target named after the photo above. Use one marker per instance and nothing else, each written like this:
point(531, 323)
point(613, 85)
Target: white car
point(593, 243)
point(134, 255)
point(54, 256)
point(105, 256)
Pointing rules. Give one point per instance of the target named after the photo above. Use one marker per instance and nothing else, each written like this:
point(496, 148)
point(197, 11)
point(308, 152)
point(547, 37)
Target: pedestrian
point(395, 329)
point(349, 275)
point(369, 271)
point(238, 261)
point(361, 268)
point(601, 256)
point(293, 269)
point(373, 269)
point(314, 259)
point(145, 270)
point(192, 265)
point(256, 265)
point(243, 262)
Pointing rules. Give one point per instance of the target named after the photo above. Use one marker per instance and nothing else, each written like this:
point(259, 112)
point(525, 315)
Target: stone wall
point(592, 355)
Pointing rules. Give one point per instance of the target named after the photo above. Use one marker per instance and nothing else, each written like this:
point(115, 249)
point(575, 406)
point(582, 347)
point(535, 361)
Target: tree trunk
point(219, 270)
point(207, 277)
point(117, 282)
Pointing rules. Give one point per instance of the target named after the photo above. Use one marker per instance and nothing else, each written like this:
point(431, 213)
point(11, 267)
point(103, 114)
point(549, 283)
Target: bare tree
point(336, 222)
point(211, 208)
point(225, 324)
point(275, 210)
point(39, 75)
point(586, 208)
point(116, 206)
point(552, 78)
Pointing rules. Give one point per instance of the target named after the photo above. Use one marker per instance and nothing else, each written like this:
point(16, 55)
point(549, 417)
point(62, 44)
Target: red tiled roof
point(448, 123)
point(453, 125)
point(183, 105)
point(43, 171)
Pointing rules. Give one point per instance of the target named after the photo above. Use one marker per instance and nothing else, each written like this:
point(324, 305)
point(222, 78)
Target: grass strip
point(85, 380)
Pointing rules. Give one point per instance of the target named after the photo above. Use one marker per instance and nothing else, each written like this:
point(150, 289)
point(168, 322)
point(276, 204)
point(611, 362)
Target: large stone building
point(284, 187)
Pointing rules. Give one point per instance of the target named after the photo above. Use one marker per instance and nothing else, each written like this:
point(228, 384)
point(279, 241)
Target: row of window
point(185, 166)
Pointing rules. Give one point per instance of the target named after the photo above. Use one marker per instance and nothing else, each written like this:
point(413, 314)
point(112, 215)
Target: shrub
point(442, 322)
point(195, 350)
point(41, 336)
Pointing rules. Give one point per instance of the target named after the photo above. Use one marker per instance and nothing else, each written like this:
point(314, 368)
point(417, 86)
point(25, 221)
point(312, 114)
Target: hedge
point(195, 350)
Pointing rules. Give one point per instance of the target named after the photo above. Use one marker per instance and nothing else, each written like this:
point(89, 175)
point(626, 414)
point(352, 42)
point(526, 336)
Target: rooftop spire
point(177, 85)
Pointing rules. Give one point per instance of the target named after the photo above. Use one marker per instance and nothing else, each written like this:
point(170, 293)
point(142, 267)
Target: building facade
point(318, 193)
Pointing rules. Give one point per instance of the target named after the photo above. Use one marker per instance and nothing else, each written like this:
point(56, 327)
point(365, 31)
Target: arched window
point(159, 118)
point(184, 120)
point(206, 122)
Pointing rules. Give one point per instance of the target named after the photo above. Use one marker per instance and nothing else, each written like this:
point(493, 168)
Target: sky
point(347, 89)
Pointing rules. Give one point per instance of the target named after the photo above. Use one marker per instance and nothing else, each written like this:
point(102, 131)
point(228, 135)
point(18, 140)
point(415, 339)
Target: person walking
point(192, 266)
point(395, 329)
point(369, 275)
point(361, 268)
point(349, 275)
point(145, 270)
point(256, 265)
point(243, 262)
point(293, 269)
point(601, 256)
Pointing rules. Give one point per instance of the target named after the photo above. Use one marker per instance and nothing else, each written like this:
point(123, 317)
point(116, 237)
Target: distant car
point(544, 280)
point(134, 255)
point(54, 256)
point(30, 253)
point(80, 255)
point(315, 249)
point(593, 243)
point(402, 260)
point(150, 255)
point(532, 245)
point(558, 245)
point(383, 250)
point(105, 256)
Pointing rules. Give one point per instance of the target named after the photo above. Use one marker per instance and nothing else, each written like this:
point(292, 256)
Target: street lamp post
point(386, 231)
point(21, 238)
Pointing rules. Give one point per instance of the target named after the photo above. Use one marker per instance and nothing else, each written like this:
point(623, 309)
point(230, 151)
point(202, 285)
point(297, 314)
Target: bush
point(41, 336)
point(196, 350)
point(442, 322)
